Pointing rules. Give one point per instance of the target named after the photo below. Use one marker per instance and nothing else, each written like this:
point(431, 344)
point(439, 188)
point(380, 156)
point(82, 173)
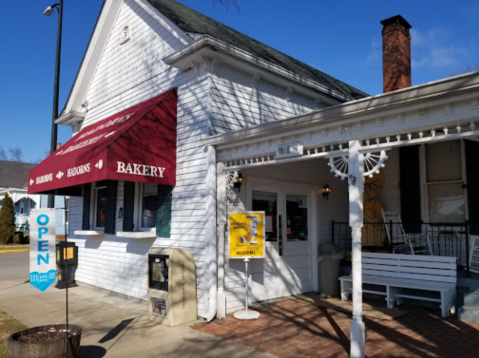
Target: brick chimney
point(396, 54)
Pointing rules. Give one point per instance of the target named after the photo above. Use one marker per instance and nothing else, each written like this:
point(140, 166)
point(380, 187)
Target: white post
point(356, 187)
point(246, 313)
point(246, 283)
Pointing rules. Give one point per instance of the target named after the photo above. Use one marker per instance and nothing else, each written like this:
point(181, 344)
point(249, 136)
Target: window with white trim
point(147, 206)
point(444, 175)
point(99, 206)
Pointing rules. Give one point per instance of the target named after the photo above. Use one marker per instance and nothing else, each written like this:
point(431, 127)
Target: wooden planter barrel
point(56, 349)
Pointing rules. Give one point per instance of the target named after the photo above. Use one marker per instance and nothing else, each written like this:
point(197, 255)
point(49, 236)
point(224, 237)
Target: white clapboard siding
point(129, 64)
point(236, 104)
point(130, 73)
point(126, 75)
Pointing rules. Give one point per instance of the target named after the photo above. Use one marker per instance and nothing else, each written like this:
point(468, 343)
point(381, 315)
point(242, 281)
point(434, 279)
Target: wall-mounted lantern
point(238, 181)
point(325, 190)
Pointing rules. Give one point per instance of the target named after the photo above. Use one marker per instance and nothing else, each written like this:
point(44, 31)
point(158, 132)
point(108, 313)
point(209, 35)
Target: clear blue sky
point(341, 38)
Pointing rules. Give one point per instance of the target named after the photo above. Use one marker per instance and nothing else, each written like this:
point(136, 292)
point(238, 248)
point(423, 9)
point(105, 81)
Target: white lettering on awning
point(81, 169)
point(44, 178)
point(106, 125)
point(82, 144)
point(140, 169)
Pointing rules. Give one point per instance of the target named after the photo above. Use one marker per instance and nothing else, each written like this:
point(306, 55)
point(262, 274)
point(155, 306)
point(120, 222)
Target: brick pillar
point(396, 54)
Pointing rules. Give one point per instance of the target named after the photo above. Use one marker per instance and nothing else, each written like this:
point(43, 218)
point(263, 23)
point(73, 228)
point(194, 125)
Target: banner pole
point(246, 313)
point(69, 341)
point(246, 283)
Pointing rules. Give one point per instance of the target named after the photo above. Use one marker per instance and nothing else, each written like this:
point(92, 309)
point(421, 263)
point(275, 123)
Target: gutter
point(359, 110)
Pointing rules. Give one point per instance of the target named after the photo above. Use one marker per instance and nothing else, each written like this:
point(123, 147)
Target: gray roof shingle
point(14, 174)
point(192, 21)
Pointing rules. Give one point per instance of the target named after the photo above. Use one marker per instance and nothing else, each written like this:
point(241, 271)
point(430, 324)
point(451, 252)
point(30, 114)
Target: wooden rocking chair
point(404, 243)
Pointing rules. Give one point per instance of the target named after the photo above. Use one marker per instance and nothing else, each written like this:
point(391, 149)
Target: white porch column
point(356, 187)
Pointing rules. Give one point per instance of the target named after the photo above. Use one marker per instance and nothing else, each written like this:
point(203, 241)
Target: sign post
point(42, 248)
point(246, 241)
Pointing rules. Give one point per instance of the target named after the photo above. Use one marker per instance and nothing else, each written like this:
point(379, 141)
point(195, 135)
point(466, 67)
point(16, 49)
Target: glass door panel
point(297, 217)
point(267, 202)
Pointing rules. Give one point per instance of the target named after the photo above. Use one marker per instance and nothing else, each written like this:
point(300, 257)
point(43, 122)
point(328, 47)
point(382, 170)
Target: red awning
point(137, 144)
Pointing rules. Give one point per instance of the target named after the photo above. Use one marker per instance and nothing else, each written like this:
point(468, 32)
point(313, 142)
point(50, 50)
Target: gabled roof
point(192, 21)
point(14, 174)
point(188, 21)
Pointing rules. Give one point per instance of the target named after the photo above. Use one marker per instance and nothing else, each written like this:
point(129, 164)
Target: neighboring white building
point(13, 181)
point(238, 102)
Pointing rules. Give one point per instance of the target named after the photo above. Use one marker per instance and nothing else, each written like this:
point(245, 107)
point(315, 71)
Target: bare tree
point(227, 3)
point(3, 155)
point(46, 153)
point(16, 154)
point(467, 69)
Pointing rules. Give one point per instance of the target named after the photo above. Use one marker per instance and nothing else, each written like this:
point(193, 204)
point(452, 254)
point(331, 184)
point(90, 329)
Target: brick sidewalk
point(290, 328)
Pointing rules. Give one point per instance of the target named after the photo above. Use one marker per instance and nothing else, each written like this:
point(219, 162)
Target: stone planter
point(45, 349)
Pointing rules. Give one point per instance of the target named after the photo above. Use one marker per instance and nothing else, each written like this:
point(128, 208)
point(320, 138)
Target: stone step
point(468, 314)
point(471, 299)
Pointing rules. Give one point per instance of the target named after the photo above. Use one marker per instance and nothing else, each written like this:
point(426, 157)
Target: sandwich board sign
point(42, 248)
point(246, 235)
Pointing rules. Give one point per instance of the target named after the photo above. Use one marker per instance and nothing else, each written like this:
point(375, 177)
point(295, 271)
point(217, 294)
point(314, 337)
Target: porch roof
point(440, 110)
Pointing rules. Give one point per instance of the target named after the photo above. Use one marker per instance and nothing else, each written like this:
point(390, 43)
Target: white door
point(288, 265)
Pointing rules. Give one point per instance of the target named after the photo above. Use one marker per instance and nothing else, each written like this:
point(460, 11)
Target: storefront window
point(149, 205)
point(100, 207)
point(267, 202)
point(297, 217)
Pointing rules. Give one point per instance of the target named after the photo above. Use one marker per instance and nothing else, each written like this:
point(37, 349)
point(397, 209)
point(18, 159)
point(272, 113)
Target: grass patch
point(8, 325)
point(14, 246)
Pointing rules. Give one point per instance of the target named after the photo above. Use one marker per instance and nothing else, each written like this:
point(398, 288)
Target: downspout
point(221, 229)
point(211, 262)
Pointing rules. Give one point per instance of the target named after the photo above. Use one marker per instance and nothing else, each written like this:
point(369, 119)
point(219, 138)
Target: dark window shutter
point(163, 215)
point(410, 186)
point(128, 206)
point(110, 219)
point(472, 175)
point(86, 206)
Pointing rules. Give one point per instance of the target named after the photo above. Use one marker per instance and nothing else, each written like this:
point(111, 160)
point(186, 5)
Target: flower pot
point(59, 348)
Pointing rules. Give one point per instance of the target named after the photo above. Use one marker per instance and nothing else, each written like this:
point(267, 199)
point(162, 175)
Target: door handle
point(280, 236)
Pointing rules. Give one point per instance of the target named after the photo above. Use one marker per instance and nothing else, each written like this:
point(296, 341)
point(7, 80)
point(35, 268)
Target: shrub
point(7, 220)
point(18, 238)
point(26, 239)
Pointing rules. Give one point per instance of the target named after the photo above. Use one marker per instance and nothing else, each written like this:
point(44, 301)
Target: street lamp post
point(56, 86)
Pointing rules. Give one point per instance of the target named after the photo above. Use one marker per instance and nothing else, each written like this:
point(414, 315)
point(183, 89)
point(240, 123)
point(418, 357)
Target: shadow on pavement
point(91, 352)
point(116, 330)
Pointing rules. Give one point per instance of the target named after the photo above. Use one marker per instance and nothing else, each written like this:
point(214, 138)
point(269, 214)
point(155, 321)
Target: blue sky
point(341, 38)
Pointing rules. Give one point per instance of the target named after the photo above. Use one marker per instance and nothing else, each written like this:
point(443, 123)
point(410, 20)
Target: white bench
point(399, 272)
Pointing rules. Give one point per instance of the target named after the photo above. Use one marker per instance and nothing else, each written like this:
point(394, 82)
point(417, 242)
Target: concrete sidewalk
point(114, 326)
